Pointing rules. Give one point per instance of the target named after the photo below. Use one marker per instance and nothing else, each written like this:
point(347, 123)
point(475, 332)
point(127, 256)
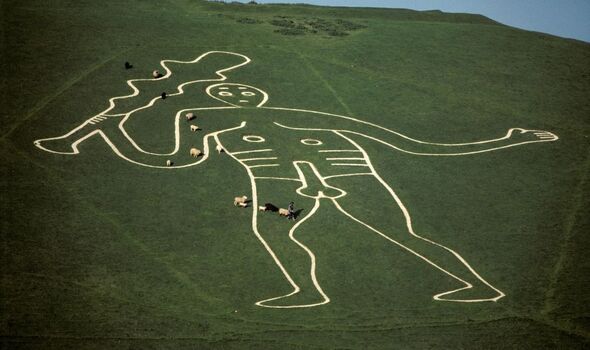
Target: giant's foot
point(297, 299)
point(471, 294)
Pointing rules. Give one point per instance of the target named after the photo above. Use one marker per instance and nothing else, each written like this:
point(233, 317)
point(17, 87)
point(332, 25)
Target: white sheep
point(239, 200)
point(243, 205)
point(262, 208)
point(219, 149)
point(156, 74)
point(194, 128)
point(283, 212)
point(190, 116)
point(195, 152)
point(168, 162)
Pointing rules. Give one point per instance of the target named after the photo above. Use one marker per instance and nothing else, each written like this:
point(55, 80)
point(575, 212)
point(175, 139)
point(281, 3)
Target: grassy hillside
point(101, 253)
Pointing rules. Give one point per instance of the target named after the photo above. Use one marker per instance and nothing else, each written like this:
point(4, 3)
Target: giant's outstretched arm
point(312, 120)
point(513, 137)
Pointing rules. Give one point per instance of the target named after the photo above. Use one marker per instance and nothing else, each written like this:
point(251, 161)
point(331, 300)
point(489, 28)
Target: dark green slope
point(98, 253)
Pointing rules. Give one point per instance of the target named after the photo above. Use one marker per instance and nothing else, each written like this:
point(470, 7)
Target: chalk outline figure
point(92, 127)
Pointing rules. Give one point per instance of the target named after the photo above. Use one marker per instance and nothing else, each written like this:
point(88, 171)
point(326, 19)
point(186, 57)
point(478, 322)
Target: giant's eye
point(248, 93)
point(225, 93)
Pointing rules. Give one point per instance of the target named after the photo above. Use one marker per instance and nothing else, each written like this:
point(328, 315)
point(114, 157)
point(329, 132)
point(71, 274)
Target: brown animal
point(239, 200)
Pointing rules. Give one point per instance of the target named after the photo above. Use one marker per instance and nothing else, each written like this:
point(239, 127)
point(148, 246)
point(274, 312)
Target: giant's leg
point(285, 242)
point(383, 213)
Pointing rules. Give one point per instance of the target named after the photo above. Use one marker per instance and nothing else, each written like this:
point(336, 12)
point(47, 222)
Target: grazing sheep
point(195, 152)
point(262, 208)
point(283, 212)
point(239, 200)
point(168, 162)
point(190, 116)
point(219, 149)
point(156, 74)
point(243, 205)
point(194, 128)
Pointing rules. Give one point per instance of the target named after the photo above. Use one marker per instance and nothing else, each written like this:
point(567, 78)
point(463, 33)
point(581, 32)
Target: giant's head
point(238, 95)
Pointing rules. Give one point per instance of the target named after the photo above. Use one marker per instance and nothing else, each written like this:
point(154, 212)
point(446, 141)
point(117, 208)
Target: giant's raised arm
point(207, 68)
point(109, 123)
point(114, 135)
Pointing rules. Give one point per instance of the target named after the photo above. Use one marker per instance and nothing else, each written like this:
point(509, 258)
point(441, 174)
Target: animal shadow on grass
point(296, 213)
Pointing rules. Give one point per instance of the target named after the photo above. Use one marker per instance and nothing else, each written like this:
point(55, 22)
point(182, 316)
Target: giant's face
point(238, 95)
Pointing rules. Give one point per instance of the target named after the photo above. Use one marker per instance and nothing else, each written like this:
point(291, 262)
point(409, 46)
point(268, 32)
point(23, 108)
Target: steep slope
point(99, 253)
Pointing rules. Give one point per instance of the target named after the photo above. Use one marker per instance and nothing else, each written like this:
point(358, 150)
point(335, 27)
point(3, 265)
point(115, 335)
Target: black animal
point(163, 95)
point(128, 65)
point(271, 207)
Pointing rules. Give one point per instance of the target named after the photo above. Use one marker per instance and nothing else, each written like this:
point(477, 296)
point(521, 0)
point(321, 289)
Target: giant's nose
point(314, 185)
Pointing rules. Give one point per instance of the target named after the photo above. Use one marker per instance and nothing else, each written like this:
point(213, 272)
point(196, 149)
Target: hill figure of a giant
point(315, 155)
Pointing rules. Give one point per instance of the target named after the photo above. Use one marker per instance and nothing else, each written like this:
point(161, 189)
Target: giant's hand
point(68, 143)
point(518, 135)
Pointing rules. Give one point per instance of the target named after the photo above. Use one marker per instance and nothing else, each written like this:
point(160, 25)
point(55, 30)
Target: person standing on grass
point(291, 210)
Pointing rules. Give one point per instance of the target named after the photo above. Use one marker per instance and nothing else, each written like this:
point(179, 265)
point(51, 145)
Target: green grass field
point(100, 253)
